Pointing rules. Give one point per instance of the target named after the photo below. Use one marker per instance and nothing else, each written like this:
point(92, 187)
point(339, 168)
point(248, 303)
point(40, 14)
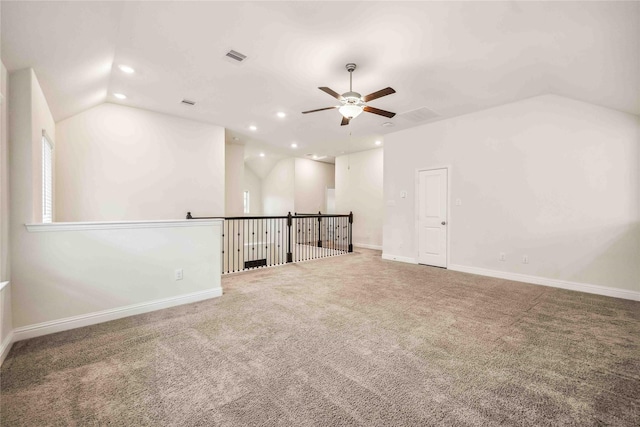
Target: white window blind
point(47, 179)
point(246, 201)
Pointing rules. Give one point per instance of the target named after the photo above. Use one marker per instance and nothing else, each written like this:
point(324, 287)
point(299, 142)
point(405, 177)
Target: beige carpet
point(351, 340)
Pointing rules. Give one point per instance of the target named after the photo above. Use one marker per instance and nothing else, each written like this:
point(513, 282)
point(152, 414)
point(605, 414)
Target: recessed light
point(281, 114)
point(253, 128)
point(387, 124)
point(378, 142)
point(294, 145)
point(261, 154)
point(315, 157)
point(120, 95)
point(126, 69)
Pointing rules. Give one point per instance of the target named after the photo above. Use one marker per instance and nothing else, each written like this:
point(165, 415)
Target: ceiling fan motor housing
point(352, 97)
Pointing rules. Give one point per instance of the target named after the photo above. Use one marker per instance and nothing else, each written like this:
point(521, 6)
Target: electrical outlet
point(178, 274)
point(458, 202)
point(525, 259)
point(502, 256)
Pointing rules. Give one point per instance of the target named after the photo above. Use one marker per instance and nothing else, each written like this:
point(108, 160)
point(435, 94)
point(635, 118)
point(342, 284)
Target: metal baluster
point(289, 254)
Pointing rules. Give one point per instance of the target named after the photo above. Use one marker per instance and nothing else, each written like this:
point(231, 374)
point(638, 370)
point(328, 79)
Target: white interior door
point(432, 196)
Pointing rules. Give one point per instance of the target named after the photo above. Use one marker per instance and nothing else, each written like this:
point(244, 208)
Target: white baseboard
point(399, 258)
point(5, 347)
point(53, 326)
point(367, 246)
point(555, 283)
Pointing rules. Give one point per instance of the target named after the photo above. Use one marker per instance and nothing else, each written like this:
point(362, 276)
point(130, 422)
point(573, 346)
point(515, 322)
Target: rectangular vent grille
point(256, 263)
point(188, 102)
point(236, 55)
point(420, 115)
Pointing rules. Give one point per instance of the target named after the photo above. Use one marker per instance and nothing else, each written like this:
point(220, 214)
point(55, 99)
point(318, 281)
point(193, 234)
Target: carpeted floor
point(351, 340)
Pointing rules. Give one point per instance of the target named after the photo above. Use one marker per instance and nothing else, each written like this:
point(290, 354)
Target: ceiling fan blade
point(331, 92)
point(379, 94)
point(378, 111)
point(319, 109)
point(345, 121)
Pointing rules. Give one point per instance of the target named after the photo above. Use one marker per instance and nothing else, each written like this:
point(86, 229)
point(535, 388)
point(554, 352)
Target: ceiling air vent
point(188, 102)
point(236, 55)
point(315, 156)
point(421, 114)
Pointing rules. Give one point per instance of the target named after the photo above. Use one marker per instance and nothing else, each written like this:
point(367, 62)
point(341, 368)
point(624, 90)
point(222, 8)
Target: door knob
point(443, 223)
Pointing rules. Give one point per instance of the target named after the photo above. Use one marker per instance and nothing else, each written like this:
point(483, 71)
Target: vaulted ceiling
point(451, 57)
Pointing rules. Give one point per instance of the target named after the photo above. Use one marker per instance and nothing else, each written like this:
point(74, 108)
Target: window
point(47, 179)
point(246, 201)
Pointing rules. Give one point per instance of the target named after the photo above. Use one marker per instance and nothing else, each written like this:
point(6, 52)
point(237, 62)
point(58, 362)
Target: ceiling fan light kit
point(352, 103)
point(350, 110)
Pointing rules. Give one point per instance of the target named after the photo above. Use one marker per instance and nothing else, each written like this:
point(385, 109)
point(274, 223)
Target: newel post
point(350, 231)
point(319, 229)
point(289, 223)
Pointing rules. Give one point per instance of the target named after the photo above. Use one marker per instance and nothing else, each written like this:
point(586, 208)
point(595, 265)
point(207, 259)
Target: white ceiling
point(454, 58)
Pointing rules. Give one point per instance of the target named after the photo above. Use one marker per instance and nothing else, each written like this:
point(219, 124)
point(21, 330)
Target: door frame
point(417, 210)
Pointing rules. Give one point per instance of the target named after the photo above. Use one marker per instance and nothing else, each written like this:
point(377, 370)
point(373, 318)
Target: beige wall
point(234, 178)
point(120, 163)
point(359, 190)
point(253, 184)
point(312, 179)
point(548, 177)
point(278, 189)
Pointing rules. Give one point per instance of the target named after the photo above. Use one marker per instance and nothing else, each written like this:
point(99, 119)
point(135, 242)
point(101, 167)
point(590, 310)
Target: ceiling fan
point(352, 103)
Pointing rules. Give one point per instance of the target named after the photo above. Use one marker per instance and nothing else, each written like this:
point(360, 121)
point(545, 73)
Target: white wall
point(6, 323)
point(278, 189)
point(253, 184)
point(6, 320)
point(312, 179)
point(359, 190)
point(68, 275)
point(4, 177)
point(549, 177)
point(234, 177)
point(28, 116)
point(120, 163)
point(86, 269)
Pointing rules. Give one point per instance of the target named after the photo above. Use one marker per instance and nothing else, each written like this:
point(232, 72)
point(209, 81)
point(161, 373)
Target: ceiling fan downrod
point(350, 68)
